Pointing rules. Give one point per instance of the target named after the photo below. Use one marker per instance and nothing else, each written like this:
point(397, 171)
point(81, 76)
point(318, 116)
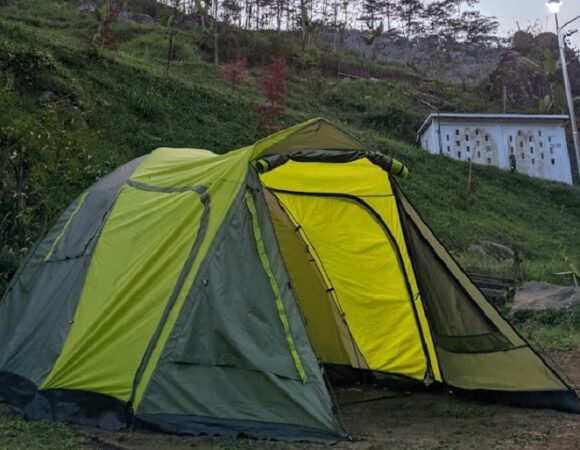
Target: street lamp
point(554, 7)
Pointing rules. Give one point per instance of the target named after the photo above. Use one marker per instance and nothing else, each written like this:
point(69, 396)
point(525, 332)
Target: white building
point(532, 144)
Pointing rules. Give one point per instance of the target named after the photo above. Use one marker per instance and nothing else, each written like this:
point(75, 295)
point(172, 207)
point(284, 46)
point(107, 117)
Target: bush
point(23, 59)
point(152, 46)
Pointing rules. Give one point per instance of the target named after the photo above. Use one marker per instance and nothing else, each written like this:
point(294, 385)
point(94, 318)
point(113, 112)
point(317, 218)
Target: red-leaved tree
point(104, 36)
point(274, 84)
point(235, 72)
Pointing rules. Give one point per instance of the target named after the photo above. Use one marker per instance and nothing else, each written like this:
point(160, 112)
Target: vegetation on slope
point(71, 112)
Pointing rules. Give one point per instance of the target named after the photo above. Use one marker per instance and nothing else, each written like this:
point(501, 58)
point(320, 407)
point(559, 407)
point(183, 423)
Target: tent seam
point(268, 269)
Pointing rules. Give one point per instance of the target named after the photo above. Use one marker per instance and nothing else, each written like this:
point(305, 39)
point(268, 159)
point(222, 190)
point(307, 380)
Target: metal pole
point(568, 87)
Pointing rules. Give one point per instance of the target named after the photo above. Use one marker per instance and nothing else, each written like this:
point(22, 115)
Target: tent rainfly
point(203, 293)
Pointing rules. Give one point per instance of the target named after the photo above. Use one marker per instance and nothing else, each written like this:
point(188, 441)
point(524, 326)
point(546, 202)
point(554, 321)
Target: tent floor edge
point(344, 375)
point(235, 428)
point(564, 401)
point(78, 407)
point(16, 390)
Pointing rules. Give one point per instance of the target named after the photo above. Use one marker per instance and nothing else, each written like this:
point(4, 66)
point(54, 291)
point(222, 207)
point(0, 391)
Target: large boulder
point(131, 17)
point(538, 296)
point(46, 97)
point(493, 250)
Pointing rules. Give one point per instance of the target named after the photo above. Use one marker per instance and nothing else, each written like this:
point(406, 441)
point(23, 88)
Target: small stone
point(47, 97)
point(87, 8)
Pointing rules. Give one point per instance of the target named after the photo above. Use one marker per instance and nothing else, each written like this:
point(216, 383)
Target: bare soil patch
point(379, 418)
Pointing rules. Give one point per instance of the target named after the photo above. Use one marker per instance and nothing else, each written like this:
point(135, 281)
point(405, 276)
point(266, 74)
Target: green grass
point(17, 434)
point(550, 329)
point(550, 337)
point(115, 106)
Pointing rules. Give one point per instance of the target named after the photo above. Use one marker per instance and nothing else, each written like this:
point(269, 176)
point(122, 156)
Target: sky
point(528, 12)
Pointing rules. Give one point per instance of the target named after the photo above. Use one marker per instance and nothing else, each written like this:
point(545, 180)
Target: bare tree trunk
point(215, 42)
point(303, 23)
point(504, 95)
point(172, 20)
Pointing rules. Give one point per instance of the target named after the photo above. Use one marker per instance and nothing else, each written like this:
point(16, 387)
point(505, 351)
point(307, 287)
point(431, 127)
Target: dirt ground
point(378, 418)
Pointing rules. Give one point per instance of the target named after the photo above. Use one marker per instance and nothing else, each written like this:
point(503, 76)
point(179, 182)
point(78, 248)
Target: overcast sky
point(528, 12)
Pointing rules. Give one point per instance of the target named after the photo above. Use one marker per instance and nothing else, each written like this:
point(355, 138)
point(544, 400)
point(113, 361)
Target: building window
point(456, 132)
point(468, 148)
point(523, 156)
point(549, 138)
point(477, 143)
point(467, 138)
point(542, 155)
point(459, 154)
point(551, 151)
point(553, 161)
point(489, 160)
point(532, 150)
point(477, 132)
point(540, 133)
point(448, 148)
point(533, 161)
point(447, 138)
point(487, 138)
point(468, 159)
point(541, 144)
point(458, 143)
point(511, 138)
point(519, 132)
point(512, 150)
point(521, 144)
point(530, 138)
point(479, 154)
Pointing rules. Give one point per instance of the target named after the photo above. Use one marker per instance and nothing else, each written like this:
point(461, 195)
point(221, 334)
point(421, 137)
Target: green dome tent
point(204, 293)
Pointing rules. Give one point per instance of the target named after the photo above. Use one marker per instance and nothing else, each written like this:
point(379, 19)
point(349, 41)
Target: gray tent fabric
point(48, 287)
point(227, 364)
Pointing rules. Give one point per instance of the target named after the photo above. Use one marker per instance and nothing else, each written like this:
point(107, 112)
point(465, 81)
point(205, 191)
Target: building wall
point(537, 149)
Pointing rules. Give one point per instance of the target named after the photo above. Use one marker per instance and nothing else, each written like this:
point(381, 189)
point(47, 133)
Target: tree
point(274, 84)
point(235, 72)
point(104, 36)
point(171, 25)
point(231, 11)
point(389, 9)
point(372, 13)
point(215, 13)
point(477, 28)
point(410, 15)
point(304, 23)
point(201, 8)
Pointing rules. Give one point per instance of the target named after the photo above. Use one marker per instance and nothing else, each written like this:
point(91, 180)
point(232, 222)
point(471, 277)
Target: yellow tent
point(204, 293)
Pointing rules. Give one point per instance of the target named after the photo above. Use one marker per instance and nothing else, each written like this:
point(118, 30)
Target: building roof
point(492, 117)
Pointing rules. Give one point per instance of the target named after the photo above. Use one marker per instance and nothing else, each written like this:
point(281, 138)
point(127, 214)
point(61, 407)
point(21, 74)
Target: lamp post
point(554, 7)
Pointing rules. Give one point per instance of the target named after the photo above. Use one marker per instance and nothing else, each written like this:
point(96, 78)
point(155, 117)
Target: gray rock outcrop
point(538, 296)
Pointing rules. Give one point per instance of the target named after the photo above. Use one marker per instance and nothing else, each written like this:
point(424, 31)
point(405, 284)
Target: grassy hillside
point(70, 113)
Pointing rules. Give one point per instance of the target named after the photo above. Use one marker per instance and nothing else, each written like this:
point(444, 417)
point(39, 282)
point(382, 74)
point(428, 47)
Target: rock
point(87, 7)
point(492, 249)
point(131, 17)
point(538, 296)
point(468, 64)
point(47, 97)
point(190, 23)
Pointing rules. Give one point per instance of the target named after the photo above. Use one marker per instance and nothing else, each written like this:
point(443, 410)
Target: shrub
point(274, 84)
point(235, 72)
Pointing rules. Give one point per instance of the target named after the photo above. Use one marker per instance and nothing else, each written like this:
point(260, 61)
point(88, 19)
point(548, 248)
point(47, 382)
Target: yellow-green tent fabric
point(205, 293)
